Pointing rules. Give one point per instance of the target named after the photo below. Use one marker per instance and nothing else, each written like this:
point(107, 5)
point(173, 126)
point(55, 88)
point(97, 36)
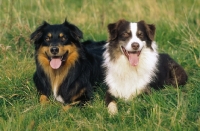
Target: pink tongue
point(133, 59)
point(55, 63)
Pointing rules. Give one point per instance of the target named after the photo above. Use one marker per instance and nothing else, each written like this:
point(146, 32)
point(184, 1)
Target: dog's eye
point(125, 34)
point(140, 34)
point(47, 39)
point(63, 38)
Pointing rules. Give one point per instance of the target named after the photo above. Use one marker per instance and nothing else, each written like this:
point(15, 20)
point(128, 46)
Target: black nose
point(135, 45)
point(54, 50)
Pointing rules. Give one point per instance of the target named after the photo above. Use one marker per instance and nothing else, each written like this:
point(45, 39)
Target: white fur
point(133, 27)
point(58, 98)
point(126, 81)
point(112, 108)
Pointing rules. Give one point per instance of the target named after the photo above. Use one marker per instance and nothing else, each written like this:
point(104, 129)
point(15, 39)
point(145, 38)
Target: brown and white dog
point(133, 64)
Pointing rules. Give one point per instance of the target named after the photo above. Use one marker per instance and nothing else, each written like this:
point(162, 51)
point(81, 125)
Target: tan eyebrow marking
point(61, 35)
point(49, 35)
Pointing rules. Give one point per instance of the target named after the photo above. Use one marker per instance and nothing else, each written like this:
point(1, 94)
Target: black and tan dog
point(65, 67)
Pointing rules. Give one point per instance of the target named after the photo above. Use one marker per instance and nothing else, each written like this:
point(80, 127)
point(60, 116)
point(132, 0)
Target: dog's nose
point(135, 45)
point(54, 50)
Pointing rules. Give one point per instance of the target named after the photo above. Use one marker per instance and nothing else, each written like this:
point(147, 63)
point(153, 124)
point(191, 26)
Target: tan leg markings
point(44, 99)
point(68, 106)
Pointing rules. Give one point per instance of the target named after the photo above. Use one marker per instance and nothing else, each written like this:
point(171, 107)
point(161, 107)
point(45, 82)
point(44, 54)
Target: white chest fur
point(126, 81)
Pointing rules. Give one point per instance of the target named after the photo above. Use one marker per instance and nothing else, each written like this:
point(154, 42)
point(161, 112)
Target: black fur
point(168, 69)
point(83, 74)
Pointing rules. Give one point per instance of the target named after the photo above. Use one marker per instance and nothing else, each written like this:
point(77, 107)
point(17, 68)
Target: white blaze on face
point(133, 55)
point(134, 28)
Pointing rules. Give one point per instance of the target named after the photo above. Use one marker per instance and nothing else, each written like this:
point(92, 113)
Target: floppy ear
point(151, 31)
point(37, 34)
point(75, 32)
point(113, 29)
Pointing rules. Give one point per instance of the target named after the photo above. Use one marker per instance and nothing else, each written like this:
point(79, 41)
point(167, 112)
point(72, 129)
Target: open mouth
point(132, 56)
point(56, 61)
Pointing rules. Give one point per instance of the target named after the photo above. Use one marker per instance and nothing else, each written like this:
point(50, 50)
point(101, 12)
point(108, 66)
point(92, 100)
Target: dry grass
point(177, 23)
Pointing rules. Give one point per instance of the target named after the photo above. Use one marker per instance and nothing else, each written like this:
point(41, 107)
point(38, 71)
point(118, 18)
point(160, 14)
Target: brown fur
point(81, 92)
point(44, 99)
point(57, 76)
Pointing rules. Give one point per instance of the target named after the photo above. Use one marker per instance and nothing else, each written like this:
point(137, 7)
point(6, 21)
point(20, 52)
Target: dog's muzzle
point(56, 61)
point(132, 56)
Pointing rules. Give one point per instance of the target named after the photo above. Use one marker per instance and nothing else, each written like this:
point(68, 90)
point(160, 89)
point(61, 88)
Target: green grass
point(177, 33)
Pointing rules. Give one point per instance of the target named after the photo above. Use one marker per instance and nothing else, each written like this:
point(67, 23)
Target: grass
point(177, 33)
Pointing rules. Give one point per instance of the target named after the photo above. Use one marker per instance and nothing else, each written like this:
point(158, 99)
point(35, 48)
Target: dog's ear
point(113, 29)
point(37, 34)
point(149, 28)
point(75, 32)
point(151, 31)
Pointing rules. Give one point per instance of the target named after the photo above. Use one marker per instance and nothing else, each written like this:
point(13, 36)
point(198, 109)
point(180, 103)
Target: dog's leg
point(111, 104)
point(78, 99)
point(42, 87)
point(44, 99)
point(68, 106)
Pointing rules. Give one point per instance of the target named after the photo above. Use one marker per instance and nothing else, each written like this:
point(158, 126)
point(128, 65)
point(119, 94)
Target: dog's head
point(131, 38)
point(56, 43)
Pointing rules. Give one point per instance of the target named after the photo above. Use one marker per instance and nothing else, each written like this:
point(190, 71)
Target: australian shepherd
point(65, 67)
point(133, 64)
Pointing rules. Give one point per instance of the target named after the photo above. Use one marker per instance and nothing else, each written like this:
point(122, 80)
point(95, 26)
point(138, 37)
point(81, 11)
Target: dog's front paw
point(112, 108)
point(44, 99)
point(68, 106)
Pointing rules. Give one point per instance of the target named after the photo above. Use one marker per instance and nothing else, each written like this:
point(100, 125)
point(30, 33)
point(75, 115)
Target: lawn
point(171, 109)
